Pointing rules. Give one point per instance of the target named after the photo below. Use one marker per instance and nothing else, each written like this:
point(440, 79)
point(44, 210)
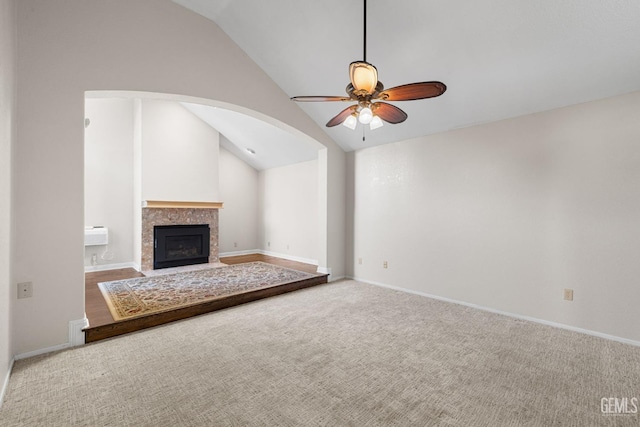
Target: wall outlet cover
point(568, 294)
point(25, 290)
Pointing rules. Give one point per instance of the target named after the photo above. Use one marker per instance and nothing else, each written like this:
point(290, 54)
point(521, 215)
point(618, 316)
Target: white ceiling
point(272, 146)
point(498, 58)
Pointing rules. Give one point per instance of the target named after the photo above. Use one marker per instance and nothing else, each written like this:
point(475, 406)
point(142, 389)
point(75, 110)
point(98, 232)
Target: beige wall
point(179, 154)
point(335, 219)
point(508, 214)
point(108, 177)
point(67, 48)
point(288, 211)
point(7, 137)
point(179, 162)
point(239, 193)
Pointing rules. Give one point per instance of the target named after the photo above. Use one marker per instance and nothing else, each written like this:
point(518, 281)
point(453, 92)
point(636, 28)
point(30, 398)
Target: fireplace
point(176, 245)
point(156, 213)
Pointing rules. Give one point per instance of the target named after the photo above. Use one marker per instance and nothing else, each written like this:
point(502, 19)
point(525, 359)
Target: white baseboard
point(238, 253)
point(324, 270)
point(76, 338)
point(40, 351)
point(327, 270)
point(275, 254)
point(289, 257)
point(506, 313)
point(105, 267)
point(5, 384)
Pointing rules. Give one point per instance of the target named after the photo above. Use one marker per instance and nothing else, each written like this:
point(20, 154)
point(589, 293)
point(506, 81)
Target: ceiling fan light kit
point(369, 92)
point(365, 116)
point(364, 77)
point(351, 122)
point(376, 122)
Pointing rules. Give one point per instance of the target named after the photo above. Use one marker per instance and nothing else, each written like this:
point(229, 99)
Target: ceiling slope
point(498, 58)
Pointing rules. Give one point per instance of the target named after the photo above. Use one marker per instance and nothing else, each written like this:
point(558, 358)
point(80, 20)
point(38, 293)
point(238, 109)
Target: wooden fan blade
point(413, 91)
point(319, 98)
point(342, 116)
point(388, 113)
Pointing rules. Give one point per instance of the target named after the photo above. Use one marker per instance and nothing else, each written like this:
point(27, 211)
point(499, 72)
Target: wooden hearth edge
point(183, 205)
point(120, 327)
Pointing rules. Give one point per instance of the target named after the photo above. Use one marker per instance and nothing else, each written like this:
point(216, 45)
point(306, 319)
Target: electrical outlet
point(235, 244)
point(568, 294)
point(25, 290)
point(268, 244)
point(359, 260)
point(385, 265)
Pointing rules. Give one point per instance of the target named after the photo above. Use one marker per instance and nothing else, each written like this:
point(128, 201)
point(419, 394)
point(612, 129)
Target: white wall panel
point(506, 215)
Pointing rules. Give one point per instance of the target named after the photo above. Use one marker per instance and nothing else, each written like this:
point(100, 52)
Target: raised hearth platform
point(121, 327)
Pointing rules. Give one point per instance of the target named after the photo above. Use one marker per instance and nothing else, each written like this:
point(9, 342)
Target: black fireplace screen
point(176, 245)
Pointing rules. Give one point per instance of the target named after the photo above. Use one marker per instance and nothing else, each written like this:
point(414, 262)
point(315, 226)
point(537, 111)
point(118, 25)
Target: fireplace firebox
point(177, 245)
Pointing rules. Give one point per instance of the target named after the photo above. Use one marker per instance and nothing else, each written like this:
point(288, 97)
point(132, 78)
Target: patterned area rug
point(146, 295)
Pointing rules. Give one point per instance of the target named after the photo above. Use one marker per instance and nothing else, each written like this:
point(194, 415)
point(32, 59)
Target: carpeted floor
point(341, 354)
point(141, 296)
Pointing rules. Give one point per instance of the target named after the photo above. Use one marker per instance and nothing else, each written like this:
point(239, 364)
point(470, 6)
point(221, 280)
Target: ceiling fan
point(368, 92)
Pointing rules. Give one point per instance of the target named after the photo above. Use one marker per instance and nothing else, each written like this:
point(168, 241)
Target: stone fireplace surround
point(177, 213)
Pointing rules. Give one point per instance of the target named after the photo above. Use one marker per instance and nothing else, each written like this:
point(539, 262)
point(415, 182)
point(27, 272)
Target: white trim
point(76, 338)
point(104, 267)
point(76, 333)
point(506, 313)
point(320, 269)
point(238, 253)
point(289, 257)
point(38, 352)
point(5, 385)
point(324, 270)
point(327, 270)
point(275, 254)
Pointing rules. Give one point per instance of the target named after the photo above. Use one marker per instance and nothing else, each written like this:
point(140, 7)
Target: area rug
point(142, 296)
point(182, 269)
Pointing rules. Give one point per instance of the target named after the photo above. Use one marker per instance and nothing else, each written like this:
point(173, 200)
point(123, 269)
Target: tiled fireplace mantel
point(177, 213)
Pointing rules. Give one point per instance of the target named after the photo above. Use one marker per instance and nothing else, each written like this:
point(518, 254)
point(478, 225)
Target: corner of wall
point(349, 213)
point(8, 124)
point(5, 384)
point(76, 338)
point(337, 211)
point(76, 333)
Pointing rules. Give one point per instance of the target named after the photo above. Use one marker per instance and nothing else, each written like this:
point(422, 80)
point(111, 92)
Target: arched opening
point(140, 146)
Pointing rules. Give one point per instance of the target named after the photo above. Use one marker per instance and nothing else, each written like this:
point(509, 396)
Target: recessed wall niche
point(143, 149)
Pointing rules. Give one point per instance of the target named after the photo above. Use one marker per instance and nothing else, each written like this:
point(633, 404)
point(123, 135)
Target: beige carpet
point(341, 354)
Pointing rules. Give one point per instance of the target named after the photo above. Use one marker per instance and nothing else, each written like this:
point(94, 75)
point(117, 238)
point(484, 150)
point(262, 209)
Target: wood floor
point(102, 325)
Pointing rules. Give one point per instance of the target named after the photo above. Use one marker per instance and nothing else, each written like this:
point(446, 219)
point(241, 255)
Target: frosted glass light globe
point(350, 122)
point(365, 116)
point(376, 123)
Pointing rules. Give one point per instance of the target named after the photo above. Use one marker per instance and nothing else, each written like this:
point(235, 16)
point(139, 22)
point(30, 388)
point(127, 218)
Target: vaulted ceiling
point(498, 58)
